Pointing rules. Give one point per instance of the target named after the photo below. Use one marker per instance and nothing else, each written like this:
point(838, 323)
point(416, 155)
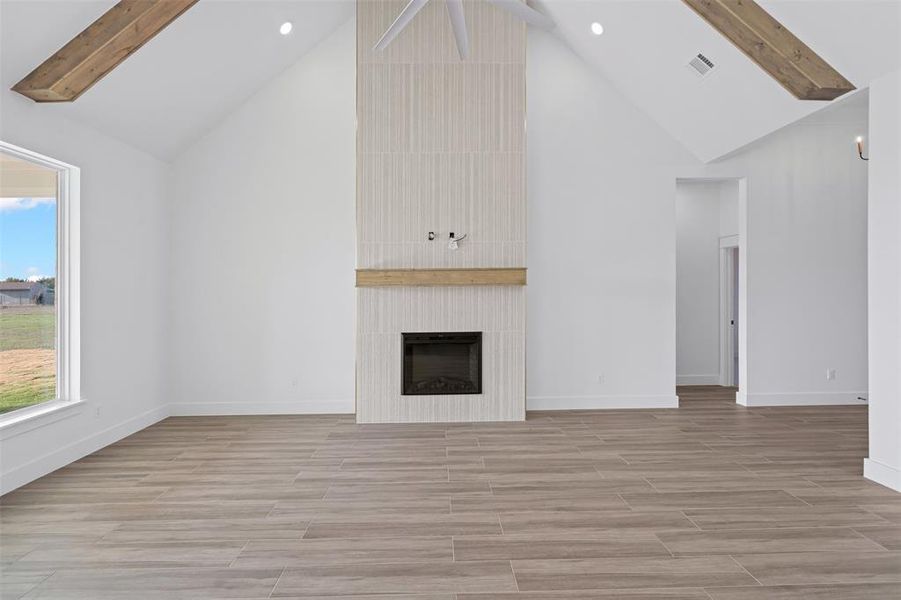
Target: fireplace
point(442, 363)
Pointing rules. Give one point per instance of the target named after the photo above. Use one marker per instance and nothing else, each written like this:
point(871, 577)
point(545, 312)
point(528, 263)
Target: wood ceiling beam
point(99, 49)
point(767, 42)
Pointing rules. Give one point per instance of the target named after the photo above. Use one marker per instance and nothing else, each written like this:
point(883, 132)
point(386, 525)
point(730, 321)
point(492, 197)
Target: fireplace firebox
point(442, 363)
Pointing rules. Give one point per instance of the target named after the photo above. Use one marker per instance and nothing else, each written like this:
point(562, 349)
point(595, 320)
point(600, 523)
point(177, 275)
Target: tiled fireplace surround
point(440, 148)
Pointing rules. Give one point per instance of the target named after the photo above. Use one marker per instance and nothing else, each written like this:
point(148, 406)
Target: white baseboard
point(800, 398)
point(60, 458)
point(882, 474)
point(600, 402)
point(698, 379)
point(300, 407)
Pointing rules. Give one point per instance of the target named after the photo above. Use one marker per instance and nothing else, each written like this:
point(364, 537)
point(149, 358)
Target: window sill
point(26, 419)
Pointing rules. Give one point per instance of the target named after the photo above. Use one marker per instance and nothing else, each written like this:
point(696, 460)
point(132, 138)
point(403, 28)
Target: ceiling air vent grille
point(701, 65)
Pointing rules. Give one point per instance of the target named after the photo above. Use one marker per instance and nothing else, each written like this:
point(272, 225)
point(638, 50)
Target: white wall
point(601, 326)
point(705, 211)
point(590, 196)
point(805, 255)
point(729, 220)
point(884, 141)
point(602, 241)
point(262, 278)
point(124, 268)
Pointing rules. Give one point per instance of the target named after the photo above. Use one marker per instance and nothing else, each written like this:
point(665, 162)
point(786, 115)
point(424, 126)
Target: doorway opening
point(710, 294)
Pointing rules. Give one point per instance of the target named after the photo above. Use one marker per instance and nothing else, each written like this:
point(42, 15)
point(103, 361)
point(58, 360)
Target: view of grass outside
point(28, 250)
point(27, 356)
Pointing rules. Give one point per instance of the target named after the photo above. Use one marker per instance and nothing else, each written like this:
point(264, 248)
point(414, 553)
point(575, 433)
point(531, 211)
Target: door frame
point(729, 246)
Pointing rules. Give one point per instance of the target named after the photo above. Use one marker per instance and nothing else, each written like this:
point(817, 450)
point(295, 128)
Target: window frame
point(67, 299)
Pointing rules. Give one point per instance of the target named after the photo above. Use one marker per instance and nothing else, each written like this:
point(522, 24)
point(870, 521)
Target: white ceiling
point(186, 79)
point(211, 59)
point(647, 43)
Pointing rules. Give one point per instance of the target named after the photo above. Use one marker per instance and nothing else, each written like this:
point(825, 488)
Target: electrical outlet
point(830, 374)
point(97, 412)
point(600, 379)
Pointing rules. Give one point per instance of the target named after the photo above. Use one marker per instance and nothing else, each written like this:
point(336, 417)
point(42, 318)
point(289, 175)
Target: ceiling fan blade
point(402, 20)
point(458, 20)
point(526, 13)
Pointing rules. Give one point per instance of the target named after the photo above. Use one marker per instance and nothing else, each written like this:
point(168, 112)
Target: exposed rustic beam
point(767, 42)
point(97, 50)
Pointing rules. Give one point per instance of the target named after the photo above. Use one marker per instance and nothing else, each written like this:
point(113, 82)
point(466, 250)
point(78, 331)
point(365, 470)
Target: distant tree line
point(48, 282)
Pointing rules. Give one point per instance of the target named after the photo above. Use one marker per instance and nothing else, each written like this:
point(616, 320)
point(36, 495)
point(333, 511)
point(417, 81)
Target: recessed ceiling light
point(286, 28)
point(597, 28)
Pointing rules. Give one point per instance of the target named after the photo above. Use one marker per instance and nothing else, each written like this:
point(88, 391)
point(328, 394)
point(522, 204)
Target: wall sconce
point(860, 148)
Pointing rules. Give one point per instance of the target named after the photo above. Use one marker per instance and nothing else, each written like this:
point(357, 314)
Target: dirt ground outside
point(27, 356)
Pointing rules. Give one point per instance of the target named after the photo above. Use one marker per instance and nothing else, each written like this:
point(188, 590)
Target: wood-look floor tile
point(560, 501)
point(449, 596)
point(518, 547)
point(86, 529)
point(808, 467)
point(218, 479)
point(90, 480)
point(403, 490)
point(863, 591)
point(349, 505)
point(406, 462)
point(823, 567)
point(319, 479)
point(576, 498)
point(15, 585)
point(525, 451)
point(162, 531)
point(143, 555)
point(616, 594)
point(765, 541)
point(174, 511)
point(35, 497)
point(727, 483)
point(602, 485)
point(887, 537)
point(888, 511)
point(783, 516)
point(24, 543)
point(238, 492)
point(397, 578)
point(308, 552)
point(574, 475)
point(632, 572)
point(832, 497)
point(690, 500)
point(381, 525)
point(589, 522)
point(168, 584)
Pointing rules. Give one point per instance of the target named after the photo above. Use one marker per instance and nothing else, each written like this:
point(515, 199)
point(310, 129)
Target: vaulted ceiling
point(647, 45)
point(217, 54)
point(186, 79)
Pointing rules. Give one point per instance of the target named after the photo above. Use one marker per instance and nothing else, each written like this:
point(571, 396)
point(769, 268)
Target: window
point(38, 281)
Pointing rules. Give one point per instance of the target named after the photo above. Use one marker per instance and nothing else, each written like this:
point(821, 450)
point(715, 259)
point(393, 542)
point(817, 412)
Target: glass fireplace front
point(442, 363)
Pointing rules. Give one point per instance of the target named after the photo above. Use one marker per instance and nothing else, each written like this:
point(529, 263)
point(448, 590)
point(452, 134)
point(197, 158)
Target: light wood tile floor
point(708, 502)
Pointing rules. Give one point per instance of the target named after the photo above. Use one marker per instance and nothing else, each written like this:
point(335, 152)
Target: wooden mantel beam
point(764, 40)
point(97, 50)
